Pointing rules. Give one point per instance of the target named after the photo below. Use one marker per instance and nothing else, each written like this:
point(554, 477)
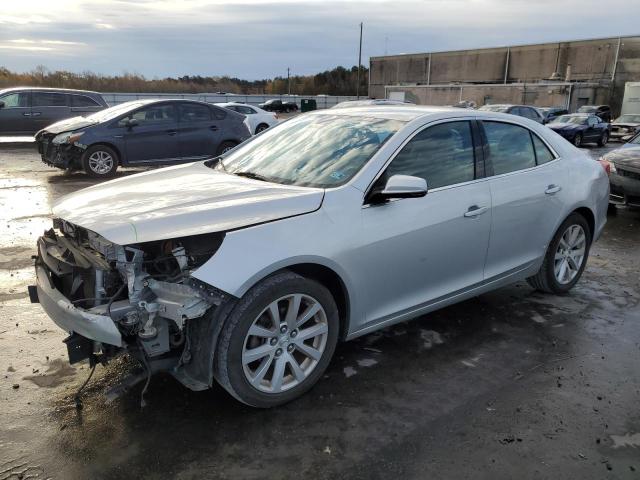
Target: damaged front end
point(60, 150)
point(137, 298)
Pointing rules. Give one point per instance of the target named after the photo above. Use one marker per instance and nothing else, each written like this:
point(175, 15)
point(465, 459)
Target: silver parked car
point(247, 269)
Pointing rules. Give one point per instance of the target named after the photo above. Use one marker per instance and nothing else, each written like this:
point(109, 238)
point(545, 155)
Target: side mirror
point(401, 186)
point(130, 122)
point(1, 104)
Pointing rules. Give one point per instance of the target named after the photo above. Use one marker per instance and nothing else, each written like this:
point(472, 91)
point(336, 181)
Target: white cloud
point(104, 26)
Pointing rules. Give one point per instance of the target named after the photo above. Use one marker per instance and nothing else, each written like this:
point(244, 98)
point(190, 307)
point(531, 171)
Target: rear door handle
point(36, 114)
point(172, 132)
point(551, 189)
point(475, 210)
point(26, 114)
point(213, 128)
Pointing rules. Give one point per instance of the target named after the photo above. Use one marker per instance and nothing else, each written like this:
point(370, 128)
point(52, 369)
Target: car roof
point(404, 112)
point(47, 89)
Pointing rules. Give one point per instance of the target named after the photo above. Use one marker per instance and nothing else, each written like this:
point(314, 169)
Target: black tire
point(91, 161)
point(577, 140)
point(545, 280)
point(228, 367)
point(261, 128)
point(225, 147)
point(602, 141)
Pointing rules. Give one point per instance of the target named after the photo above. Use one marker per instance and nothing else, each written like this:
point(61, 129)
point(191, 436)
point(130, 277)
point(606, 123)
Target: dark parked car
point(141, 132)
point(525, 111)
point(602, 111)
point(581, 128)
point(551, 113)
point(625, 127)
point(623, 167)
point(279, 106)
point(24, 111)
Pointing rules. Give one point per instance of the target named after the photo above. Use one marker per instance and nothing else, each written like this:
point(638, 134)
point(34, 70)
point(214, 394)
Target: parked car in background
point(141, 132)
point(623, 167)
point(551, 113)
point(625, 127)
point(256, 119)
point(279, 106)
point(581, 128)
point(602, 111)
point(525, 111)
point(371, 102)
point(24, 111)
point(248, 269)
point(466, 104)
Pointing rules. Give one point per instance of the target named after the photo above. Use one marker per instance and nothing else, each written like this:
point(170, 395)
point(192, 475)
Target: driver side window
point(152, 115)
point(442, 155)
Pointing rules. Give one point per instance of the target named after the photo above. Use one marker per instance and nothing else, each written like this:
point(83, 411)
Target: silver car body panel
point(396, 260)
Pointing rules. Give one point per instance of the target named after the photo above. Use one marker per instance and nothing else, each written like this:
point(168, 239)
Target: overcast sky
point(256, 39)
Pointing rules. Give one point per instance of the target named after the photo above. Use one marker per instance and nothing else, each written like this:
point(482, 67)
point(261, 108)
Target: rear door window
point(154, 114)
point(49, 99)
point(509, 147)
point(442, 155)
point(191, 113)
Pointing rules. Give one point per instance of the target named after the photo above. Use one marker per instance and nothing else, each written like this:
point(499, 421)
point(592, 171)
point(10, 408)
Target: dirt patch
point(56, 374)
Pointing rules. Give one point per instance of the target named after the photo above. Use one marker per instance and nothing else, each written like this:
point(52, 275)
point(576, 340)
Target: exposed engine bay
point(136, 298)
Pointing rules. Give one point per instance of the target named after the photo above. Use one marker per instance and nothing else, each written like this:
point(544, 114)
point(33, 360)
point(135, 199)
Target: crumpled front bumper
point(92, 324)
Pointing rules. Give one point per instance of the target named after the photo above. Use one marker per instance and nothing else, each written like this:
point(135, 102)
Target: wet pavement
point(511, 384)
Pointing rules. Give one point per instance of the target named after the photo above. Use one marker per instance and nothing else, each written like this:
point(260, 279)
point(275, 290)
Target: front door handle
point(551, 189)
point(475, 210)
point(36, 114)
point(26, 114)
point(213, 128)
point(172, 132)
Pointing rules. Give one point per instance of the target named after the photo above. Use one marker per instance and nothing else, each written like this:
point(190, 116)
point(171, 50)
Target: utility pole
point(288, 81)
point(359, 63)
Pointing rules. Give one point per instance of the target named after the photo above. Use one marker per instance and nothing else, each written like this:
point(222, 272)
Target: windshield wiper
point(252, 175)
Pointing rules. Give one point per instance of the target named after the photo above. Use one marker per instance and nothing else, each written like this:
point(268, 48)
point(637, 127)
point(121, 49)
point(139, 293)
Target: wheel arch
point(588, 216)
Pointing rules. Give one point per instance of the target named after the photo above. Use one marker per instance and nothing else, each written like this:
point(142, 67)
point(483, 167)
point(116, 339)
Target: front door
point(433, 246)
point(155, 137)
point(528, 189)
point(15, 115)
point(198, 131)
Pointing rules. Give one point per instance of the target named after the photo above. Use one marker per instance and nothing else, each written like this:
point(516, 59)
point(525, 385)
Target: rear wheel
point(278, 340)
point(261, 128)
point(100, 161)
point(225, 147)
point(566, 257)
point(603, 139)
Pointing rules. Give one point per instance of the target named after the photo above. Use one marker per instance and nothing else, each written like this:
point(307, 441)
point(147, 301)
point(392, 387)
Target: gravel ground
point(511, 384)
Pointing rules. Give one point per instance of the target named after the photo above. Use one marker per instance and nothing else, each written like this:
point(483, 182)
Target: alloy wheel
point(100, 162)
point(285, 343)
point(569, 255)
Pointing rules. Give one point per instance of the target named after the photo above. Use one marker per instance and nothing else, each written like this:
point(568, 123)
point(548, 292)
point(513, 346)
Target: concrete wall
point(592, 61)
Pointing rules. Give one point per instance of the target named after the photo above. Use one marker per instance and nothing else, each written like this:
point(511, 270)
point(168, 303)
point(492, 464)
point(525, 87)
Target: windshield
point(587, 109)
point(635, 140)
point(628, 119)
point(312, 150)
point(113, 112)
point(495, 108)
point(570, 119)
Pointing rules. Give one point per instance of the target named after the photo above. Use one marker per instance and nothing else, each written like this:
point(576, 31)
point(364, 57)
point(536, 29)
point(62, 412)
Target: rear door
point(528, 186)
point(15, 115)
point(198, 131)
point(48, 108)
point(593, 131)
point(155, 138)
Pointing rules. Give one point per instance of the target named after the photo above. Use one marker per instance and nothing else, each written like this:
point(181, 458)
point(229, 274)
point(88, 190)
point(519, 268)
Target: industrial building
point(572, 74)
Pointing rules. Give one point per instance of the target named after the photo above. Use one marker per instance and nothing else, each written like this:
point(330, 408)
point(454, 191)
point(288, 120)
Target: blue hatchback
point(141, 132)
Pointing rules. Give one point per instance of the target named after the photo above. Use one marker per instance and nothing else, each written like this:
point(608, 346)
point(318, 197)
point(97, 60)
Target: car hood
point(68, 125)
point(182, 200)
point(625, 124)
point(628, 156)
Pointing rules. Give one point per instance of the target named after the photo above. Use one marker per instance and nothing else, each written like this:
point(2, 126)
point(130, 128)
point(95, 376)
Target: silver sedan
point(249, 268)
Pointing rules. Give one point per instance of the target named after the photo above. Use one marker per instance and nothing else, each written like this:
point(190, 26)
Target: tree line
point(338, 81)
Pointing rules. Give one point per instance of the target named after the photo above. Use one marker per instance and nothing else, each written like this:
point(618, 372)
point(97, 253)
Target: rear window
point(48, 99)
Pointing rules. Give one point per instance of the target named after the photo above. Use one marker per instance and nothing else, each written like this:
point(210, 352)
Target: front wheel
point(225, 147)
point(577, 140)
point(277, 341)
point(603, 139)
point(261, 128)
point(100, 161)
point(566, 257)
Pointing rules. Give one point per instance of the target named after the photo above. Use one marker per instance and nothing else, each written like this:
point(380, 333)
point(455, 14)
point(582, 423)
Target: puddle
point(627, 440)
